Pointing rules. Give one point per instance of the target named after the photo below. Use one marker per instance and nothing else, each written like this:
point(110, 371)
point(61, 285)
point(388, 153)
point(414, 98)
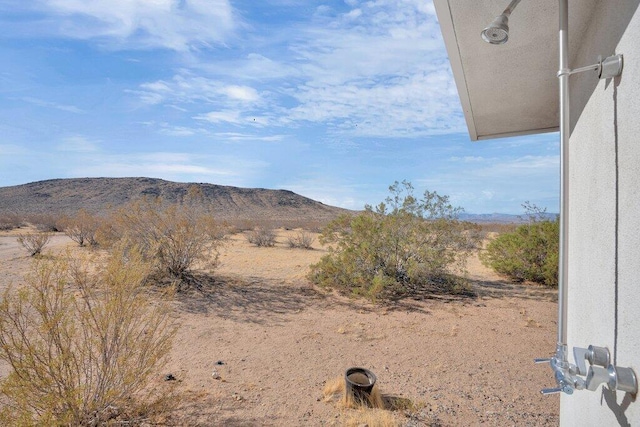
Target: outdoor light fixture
point(498, 31)
point(571, 376)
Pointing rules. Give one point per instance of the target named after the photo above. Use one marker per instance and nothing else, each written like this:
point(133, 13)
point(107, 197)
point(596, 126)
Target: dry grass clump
point(335, 390)
point(314, 226)
point(34, 243)
point(264, 237)
point(302, 240)
point(372, 412)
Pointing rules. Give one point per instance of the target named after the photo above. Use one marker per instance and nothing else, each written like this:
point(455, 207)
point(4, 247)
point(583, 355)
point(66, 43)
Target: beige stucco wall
point(604, 212)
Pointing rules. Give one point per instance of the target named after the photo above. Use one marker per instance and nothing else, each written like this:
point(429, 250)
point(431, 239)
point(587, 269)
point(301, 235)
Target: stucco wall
point(604, 213)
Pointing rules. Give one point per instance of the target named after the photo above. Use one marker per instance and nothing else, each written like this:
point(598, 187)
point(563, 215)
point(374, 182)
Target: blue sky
point(334, 100)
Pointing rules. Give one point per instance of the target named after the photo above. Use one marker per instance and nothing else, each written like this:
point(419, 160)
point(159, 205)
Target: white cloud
point(355, 13)
point(178, 131)
point(228, 116)
point(402, 107)
point(328, 192)
point(498, 184)
point(530, 166)
point(234, 117)
point(148, 97)
point(237, 136)
point(468, 159)
point(241, 93)
point(7, 150)
point(487, 194)
point(159, 87)
point(378, 69)
point(78, 144)
point(187, 88)
point(50, 104)
point(172, 24)
point(166, 128)
point(176, 166)
point(385, 74)
point(256, 66)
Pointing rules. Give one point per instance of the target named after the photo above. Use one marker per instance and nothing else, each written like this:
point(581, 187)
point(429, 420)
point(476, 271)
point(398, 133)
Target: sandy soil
point(257, 345)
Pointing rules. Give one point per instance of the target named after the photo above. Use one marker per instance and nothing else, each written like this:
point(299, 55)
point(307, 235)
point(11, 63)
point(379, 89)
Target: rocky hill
point(99, 195)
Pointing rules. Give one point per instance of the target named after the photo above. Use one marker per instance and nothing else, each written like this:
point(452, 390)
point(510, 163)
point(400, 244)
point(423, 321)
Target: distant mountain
point(97, 195)
point(498, 218)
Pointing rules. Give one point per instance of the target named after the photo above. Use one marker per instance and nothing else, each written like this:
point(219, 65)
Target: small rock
point(169, 377)
point(219, 363)
point(215, 375)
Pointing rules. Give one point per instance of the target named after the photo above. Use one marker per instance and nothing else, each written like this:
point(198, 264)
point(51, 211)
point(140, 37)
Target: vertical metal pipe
point(565, 131)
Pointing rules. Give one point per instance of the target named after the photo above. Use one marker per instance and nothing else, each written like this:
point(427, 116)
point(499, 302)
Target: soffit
point(509, 89)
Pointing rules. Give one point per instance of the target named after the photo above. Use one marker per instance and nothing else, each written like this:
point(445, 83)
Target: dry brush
point(82, 346)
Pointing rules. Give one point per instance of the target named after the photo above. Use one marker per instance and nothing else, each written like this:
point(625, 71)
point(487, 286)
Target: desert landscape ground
point(258, 343)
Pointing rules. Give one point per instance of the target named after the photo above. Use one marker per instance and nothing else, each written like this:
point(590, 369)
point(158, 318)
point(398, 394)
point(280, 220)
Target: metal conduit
point(565, 132)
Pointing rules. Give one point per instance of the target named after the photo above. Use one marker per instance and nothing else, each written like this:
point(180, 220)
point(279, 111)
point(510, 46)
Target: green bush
point(529, 253)
point(406, 245)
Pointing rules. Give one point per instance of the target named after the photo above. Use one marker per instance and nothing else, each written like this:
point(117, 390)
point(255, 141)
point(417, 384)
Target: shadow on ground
point(200, 409)
point(259, 300)
point(502, 289)
point(246, 299)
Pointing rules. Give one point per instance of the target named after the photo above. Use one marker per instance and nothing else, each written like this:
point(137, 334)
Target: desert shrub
point(406, 245)
point(82, 347)
point(45, 222)
point(173, 237)
point(34, 243)
point(81, 228)
point(264, 237)
point(528, 253)
point(10, 221)
point(302, 239)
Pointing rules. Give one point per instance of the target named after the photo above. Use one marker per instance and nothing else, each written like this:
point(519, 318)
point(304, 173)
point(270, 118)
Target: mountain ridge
point(99, 195)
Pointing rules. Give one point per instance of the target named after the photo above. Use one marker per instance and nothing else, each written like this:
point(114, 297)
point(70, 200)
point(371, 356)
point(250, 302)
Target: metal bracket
point(610, 67)
point(607, 68)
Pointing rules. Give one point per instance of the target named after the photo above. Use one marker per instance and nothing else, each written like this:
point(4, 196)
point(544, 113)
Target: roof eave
point(448, 32)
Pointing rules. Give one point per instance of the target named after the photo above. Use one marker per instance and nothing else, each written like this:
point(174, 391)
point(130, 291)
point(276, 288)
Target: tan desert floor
point(459, 361)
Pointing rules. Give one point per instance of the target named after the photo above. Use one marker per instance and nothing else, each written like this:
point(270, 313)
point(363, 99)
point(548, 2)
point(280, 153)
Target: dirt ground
point(257, 345)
